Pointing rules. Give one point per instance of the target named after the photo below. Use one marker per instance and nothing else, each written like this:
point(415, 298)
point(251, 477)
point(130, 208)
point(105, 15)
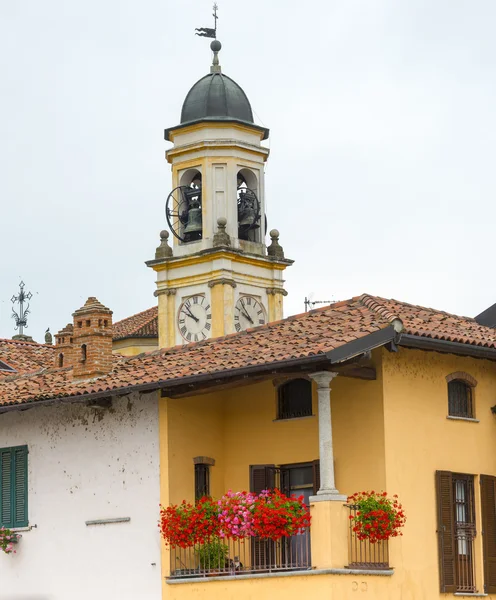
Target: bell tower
point(219, 276)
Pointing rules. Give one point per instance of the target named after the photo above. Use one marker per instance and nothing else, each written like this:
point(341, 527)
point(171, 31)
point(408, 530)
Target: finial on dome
point(215, 46)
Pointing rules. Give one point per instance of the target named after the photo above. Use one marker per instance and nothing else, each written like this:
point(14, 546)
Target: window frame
point(16, 495)
point(454, 401)
point(202, 481)
point(284, 413)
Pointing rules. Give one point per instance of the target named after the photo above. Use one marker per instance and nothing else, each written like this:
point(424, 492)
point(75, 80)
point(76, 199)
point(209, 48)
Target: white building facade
point(92, 502)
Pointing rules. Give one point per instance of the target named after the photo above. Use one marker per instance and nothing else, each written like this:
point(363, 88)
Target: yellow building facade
point(390, 433)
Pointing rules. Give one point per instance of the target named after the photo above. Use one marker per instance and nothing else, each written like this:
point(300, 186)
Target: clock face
point(248, 312)
point(194, 319)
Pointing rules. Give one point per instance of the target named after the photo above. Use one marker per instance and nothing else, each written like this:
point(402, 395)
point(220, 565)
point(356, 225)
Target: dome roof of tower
point(216, 97)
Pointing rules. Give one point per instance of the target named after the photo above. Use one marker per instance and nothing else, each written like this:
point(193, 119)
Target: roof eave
point(264, 130)
point(408, 340)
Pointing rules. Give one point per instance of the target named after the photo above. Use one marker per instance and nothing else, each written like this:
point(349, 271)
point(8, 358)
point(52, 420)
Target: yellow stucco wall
point(134, 346)
point(297, 587)
point(419, 440)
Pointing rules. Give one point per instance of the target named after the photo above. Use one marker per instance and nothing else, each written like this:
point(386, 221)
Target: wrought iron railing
point(363, 554)
point(464, 547)
point(236, 557)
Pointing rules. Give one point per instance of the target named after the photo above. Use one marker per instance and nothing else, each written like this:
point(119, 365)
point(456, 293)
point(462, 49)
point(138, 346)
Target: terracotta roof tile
point(297, 337)
point(141, 325)
point(25, 357)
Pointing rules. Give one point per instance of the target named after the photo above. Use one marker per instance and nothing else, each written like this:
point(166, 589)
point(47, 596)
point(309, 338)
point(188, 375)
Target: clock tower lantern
point(219, 276)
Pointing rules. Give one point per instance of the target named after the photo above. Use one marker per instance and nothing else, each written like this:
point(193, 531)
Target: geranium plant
point(277, 515)
point(236, 516)
point(377, 517)
point(183, 525)
point(7, 540)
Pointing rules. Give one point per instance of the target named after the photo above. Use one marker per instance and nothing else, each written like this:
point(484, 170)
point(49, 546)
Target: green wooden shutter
point(6, 488)
point(446, 531)
point(20, 486)
point(488, 506)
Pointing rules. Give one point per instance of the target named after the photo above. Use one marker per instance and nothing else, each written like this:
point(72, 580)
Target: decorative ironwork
point(208, 31)
point(242, 557)
point(363, 554)
point(20, 317)
point(183, 212)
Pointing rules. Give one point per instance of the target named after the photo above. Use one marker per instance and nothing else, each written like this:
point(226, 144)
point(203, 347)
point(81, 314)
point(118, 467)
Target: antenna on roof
point(309, 304)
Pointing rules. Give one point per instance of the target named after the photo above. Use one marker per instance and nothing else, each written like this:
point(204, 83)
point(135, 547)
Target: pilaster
point(275, 297)
point(166, 317)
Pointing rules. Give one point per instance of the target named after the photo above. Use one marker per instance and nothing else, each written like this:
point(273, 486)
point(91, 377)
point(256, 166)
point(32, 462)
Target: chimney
point(63, 347)
point(92, 340)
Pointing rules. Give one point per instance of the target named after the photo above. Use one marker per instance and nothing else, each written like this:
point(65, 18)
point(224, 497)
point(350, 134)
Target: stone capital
point(166, 291)
point(274, 291)
point(323, 378)
point(222, 281)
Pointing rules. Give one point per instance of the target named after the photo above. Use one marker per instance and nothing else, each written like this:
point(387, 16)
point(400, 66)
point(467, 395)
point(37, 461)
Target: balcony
point(242, 557)
point(334, 546)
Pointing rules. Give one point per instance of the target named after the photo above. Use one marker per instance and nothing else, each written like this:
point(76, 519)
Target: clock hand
point(247, 315)
point(190, 314)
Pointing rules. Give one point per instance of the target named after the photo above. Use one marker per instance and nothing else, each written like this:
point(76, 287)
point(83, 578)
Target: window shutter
point(20, 485)
point(6, 488)
point(316, 475)
point(445, 531)
point(261, 478)
point(488, 506)
point(262, 550)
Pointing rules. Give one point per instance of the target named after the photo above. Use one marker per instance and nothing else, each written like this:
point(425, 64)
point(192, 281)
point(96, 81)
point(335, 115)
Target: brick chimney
point(92, 340)
point(63, 347)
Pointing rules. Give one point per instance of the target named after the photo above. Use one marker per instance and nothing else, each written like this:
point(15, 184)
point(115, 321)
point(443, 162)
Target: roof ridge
point(372, 303)
point(419, 306)
point(26, 342)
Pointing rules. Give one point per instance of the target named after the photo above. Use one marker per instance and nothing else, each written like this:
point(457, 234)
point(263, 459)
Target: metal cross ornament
point(20, 317)
point(208, 31)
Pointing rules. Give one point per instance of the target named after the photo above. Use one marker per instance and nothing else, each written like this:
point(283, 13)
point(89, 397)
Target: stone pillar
point(327, 489)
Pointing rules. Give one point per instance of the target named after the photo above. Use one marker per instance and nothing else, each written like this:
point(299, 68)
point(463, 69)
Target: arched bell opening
point(249, 208)
point(183, 208)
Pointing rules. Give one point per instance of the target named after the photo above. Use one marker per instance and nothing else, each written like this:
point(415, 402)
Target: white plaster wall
point(84, 465)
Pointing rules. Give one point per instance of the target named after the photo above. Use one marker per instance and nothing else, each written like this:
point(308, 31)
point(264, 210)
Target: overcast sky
point(382, 120)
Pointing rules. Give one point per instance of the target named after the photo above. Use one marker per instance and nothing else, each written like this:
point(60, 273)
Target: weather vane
point(20, 317)
point(208, 31)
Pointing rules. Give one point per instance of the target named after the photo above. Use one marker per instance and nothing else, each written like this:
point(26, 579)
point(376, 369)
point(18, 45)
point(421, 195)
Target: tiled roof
point(434, 324)
point(299, 337)
point(141, 325)
point(24, 357)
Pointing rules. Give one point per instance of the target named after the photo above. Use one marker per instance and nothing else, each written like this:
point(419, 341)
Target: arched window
point(61, 360)
point(295, 399)
point(83, 352)
point(249, 208)
point(460, 399)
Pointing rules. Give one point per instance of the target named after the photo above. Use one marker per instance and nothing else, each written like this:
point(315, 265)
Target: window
point(456, 531)
point(202, 480)
point(460, 399)
point(14, 486)
point(295, 399)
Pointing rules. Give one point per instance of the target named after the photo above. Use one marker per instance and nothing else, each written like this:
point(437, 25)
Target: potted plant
point(376, 517)
point(212, 555)
point(7, 540)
